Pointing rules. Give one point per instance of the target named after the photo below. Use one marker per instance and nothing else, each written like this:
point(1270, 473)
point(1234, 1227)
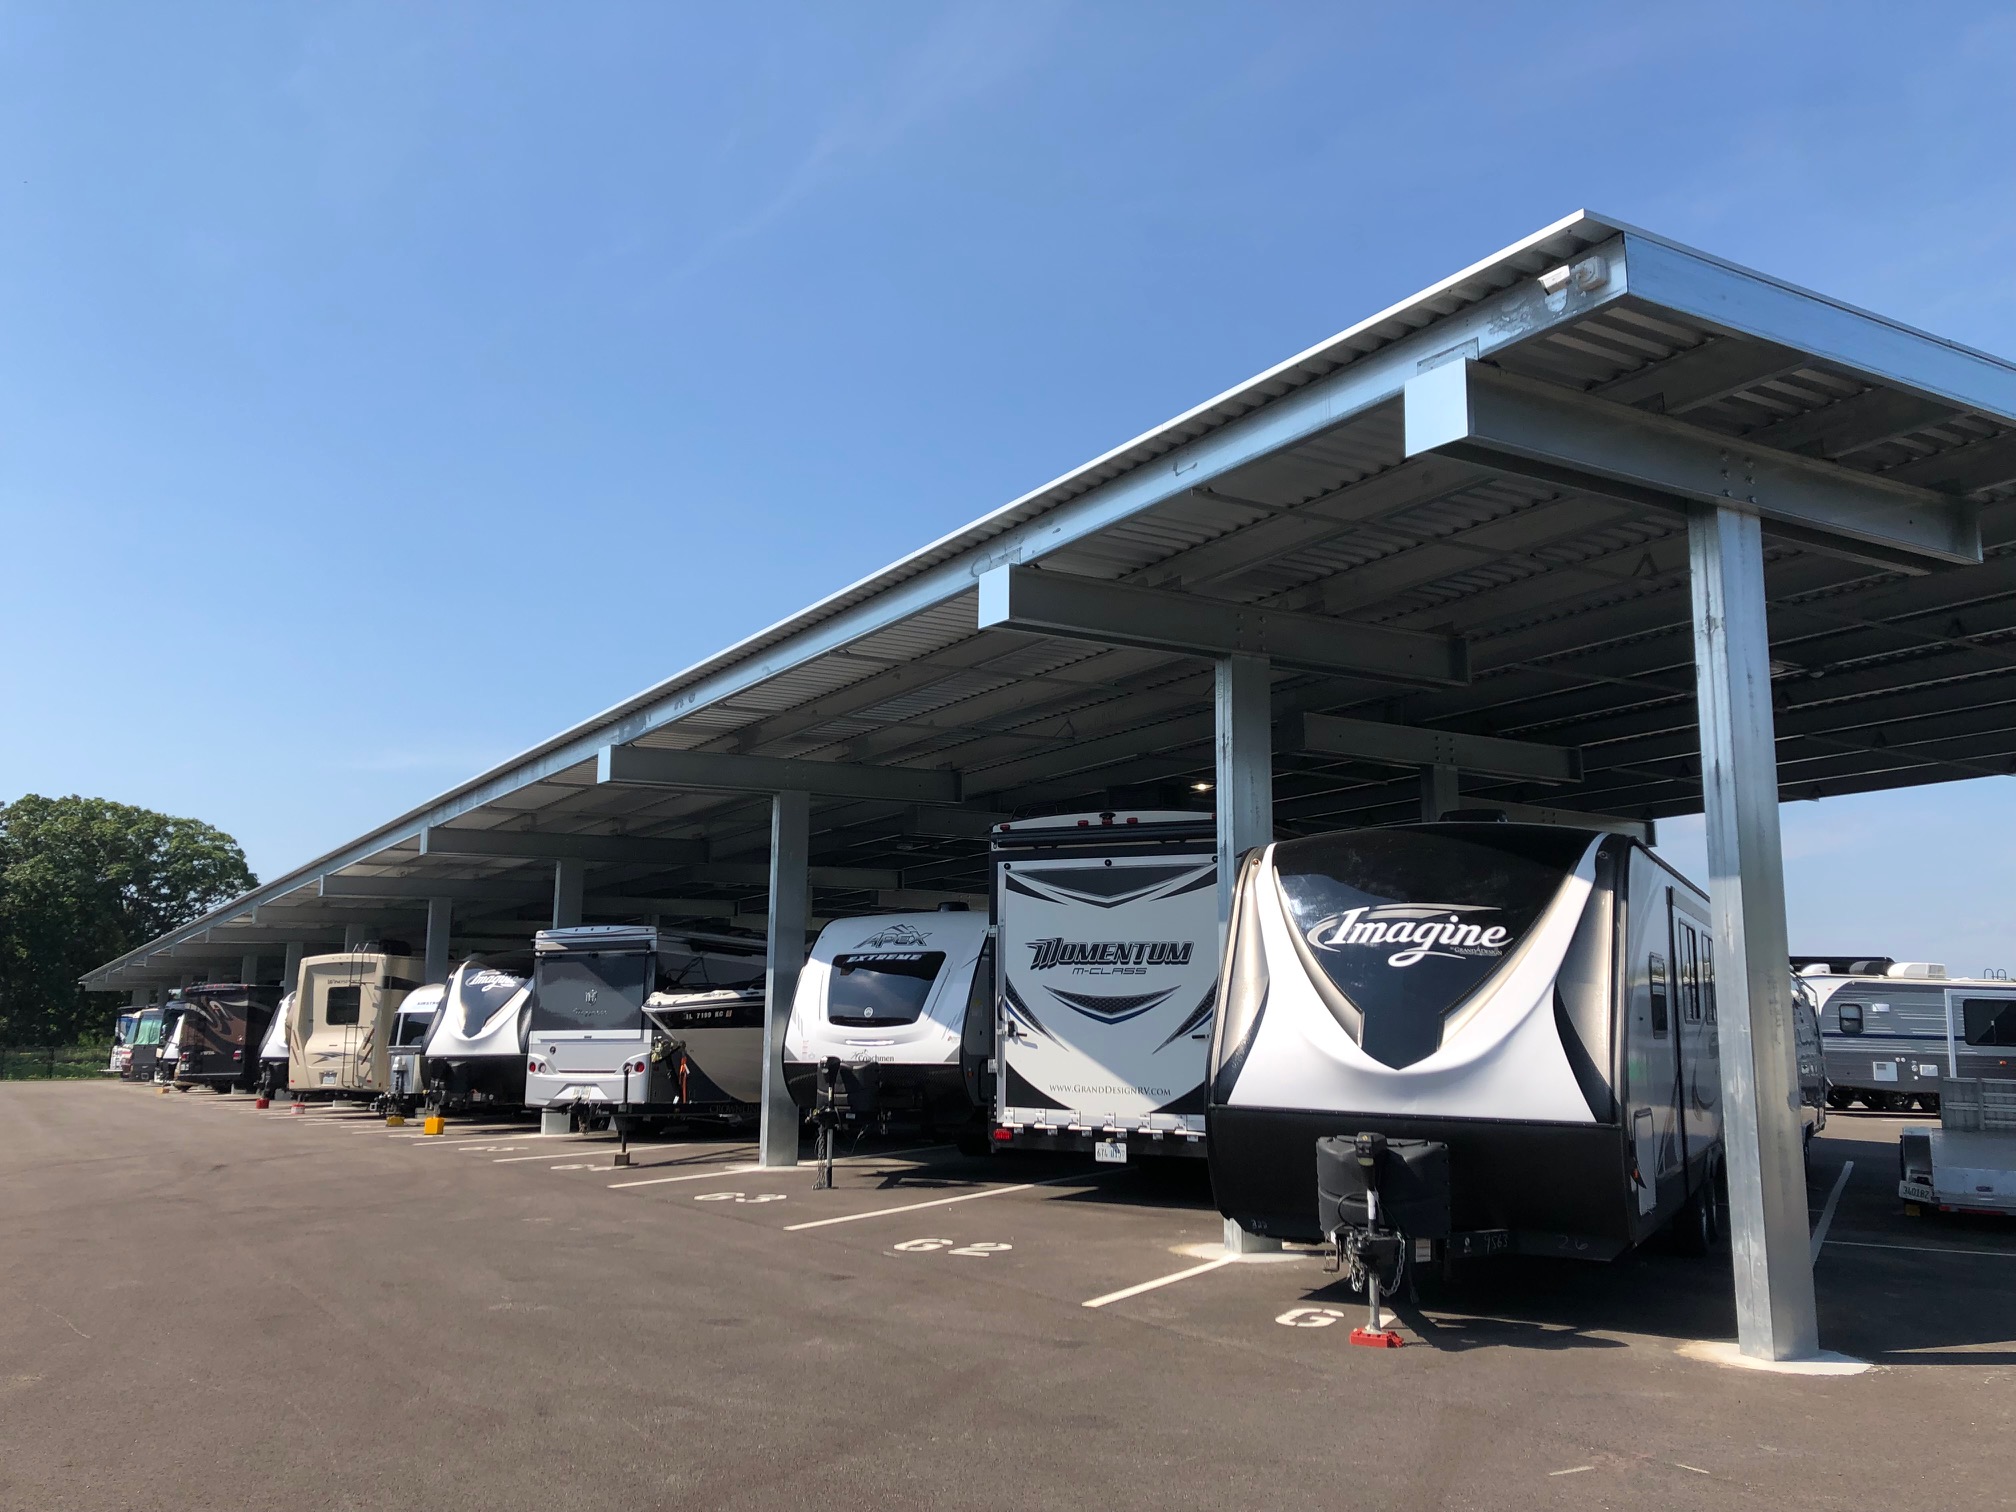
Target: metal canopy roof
point(1283, 502)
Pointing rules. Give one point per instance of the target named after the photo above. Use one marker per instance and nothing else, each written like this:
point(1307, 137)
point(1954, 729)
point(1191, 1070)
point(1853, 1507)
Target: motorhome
point(340, 1031)
point(1108, 941)
point(594, 1054)
point(411, 1024)
point(475, 1055)
point(122, 1043)
point(1537, 1000)
point(902, 1007)
point(1891, 1036)
point(222, 1030)
point(145, 1049)
point(272, 1074)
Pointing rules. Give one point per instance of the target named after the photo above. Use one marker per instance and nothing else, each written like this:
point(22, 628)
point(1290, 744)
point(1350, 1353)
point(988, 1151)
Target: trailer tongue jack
point(825, 1118)
point(1374, 1197)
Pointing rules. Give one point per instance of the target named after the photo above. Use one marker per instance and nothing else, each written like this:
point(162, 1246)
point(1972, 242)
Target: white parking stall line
point(743, 1170)
point(911, 1207)
point(1148, 1286)
point(1925, 1249)
point(1827, 1212)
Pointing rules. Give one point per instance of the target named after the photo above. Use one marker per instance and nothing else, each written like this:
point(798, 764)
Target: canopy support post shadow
point(790, 911)
point(1775, 1315)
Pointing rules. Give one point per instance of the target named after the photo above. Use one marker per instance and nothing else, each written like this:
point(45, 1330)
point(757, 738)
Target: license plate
point(1915, 1191)
point(1111, 1150)
point(328, 1078)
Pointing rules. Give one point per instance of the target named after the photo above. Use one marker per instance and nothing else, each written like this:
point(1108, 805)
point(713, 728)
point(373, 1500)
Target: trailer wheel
point(1840, 1099)
point(1694, 1225)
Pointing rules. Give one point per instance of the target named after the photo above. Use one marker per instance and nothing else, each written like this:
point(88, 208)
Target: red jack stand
point(262, 1102)
point(299, 1107)
point(1377, 1338)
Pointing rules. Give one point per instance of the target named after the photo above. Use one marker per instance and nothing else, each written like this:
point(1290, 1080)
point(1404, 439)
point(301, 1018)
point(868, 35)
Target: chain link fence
point(53, 1062)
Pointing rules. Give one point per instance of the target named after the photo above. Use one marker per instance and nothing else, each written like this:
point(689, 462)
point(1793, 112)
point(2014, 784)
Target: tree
point(83, 880)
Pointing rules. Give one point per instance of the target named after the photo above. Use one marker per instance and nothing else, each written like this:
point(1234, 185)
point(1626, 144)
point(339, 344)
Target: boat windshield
point(882, 987)
point(1406, 923)
point(590, 992)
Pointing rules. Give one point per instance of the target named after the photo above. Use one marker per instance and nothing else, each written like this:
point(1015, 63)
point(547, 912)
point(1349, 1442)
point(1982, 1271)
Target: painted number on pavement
point(981, 1248)
point(739, 1197)
point(1310, 1317)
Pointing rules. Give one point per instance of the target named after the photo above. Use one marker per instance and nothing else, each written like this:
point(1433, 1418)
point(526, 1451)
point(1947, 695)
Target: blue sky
point(461, 369)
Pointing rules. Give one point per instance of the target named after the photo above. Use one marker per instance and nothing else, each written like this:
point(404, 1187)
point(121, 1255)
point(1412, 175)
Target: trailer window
point(1656, 976)
point(1851, 1018)
point(413, 1028)
point(1989, 1021)
point(1690, 974)
point(886, 987)
point(149, 1032)
point(345, 1006)
point(581, 992)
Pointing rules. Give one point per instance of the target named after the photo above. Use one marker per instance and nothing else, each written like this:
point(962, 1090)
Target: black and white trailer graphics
point(904, 1004)
point(475, 1054)
point(1539, 999)
point(1107, 937)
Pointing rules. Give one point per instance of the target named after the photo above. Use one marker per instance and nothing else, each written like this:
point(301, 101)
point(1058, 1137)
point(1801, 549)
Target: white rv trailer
point(903, 1004)
point(1538, 999)
point(1107, 961)
point(1891, 1035)
point(411, 1024)
point(595, 1053)
point(273, 1049)
point(340, 1031)
point(122, 1042)
point(475, 1055)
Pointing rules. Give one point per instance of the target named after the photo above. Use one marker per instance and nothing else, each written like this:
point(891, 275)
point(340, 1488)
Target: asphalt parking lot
point(211, 1306)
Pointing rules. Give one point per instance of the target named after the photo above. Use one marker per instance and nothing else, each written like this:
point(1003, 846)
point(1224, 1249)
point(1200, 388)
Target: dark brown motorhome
point(226, 1023)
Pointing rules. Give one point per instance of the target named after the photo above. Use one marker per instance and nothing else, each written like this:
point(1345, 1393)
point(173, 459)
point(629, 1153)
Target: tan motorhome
point(341, 1026)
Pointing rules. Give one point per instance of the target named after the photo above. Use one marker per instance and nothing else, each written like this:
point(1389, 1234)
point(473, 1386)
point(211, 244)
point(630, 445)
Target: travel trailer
point(1535, 1001)
point(902, 1005)
point(272, 1075)
point(340, 1033)
point(475, 1055)
point(1891, 1036)
point(411, 1023)
point(594, 1053)
point(1107, 939)
point(145, 1049)
point(122, 1043)
point(222, 1030)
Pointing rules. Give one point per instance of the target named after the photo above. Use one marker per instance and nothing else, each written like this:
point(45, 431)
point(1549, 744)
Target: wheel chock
point(435, 1124)
point(262, 1102)
point(395, 1121)
point(166, 1090)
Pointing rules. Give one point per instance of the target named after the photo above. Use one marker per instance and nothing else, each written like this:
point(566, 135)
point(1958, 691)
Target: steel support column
point(1245, 752)
point(354, 935)
point(1439, 792)
point(1245, 792)
point(1760, 1089)
point(290, 968)
point(569, 881)
point(139, 996)
point(440, 915)
point(790, 908)
point(248, 967)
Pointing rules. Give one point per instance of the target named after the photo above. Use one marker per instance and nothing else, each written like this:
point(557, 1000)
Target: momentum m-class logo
point(1060, 952)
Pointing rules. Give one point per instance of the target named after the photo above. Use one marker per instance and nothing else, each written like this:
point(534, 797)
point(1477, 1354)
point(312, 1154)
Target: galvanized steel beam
point(722, 772)
point(570, 879)
point(1775, 1315)
point(1540, 430)
point(537, 845)
point(1056, 603)
point(790, 906)
point(419, 889)
point(1412, 746)
point(1244, 755)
